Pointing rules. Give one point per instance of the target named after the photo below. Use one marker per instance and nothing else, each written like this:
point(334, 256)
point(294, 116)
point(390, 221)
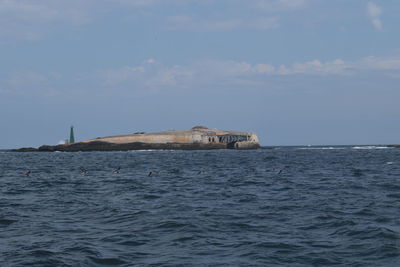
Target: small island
point(196, 138)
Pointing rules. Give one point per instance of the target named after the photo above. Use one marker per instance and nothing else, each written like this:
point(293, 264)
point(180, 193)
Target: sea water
point(288, 206)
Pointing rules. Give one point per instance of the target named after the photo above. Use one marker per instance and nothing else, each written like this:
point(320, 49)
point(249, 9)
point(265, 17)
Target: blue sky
point(296, 72)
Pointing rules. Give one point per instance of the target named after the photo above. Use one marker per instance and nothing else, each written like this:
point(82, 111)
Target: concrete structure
point(198, 134)
point(198, 137)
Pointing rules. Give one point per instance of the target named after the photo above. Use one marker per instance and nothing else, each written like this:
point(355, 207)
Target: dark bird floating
point(153, 173)
point(26, 174)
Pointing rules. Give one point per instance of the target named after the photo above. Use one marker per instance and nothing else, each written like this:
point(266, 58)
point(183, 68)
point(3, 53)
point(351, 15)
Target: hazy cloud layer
point(216, 71)
point(280, 4)
point(31, 20)
point(200, 24)
point(155, 76)
point(28, 20)
point(28, 82)
point(374, 13)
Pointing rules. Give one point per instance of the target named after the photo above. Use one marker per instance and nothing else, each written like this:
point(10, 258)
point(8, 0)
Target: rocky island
point(198, 137)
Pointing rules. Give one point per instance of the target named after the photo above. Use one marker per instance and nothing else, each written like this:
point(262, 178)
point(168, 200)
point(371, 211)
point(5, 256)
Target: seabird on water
point(201, 172)
point(26, 173)
point(83, 171)
point(152, 172)
point(117, 170)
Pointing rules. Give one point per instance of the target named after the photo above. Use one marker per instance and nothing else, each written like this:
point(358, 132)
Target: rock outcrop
point(198, 137)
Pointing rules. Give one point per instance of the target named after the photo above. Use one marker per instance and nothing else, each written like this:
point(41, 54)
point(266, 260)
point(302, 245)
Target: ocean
point(287, 206)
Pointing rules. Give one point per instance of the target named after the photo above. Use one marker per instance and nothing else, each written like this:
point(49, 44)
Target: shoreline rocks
point(104, 146)
point(197, 138)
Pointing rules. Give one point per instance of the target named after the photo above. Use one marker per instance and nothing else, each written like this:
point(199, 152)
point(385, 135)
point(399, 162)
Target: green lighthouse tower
point(71, 136)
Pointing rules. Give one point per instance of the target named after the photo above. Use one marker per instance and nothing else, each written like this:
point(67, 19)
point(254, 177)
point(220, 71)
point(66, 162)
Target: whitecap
point(321, 148)
point(370, 147)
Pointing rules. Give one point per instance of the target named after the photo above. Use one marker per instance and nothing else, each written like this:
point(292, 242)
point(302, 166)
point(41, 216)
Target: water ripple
point(281, 207)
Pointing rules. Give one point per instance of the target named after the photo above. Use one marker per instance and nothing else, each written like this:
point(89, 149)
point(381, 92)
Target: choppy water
point(281, 207)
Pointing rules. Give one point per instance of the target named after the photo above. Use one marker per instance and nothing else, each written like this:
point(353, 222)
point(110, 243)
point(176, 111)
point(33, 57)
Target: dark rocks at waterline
point(197, 138)
point(106, 146)
point(23, 149)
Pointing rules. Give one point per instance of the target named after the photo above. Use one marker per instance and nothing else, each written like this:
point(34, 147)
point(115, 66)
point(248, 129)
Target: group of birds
point(117, 170)
point(85, 171)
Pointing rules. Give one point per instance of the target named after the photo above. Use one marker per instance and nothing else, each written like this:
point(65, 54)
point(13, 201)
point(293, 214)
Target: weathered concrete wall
point(147, 138)
point(202, 135)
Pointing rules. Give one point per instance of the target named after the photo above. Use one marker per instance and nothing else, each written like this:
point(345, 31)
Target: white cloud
point(157, 76)
point(374, 12)
point(152, 76)
point(29, 20)
point(150, 61)
point(231, 68)
point(244, 69)
point(148, 75)
point(118, 76)
point(34, 19)
point(176, 76)
point(386, 64)
point(316, 67)
point(41, 11)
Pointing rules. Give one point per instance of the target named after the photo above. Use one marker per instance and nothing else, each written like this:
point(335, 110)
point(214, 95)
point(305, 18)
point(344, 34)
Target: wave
point(209, 205)
point(150, 150)
point(344, 147)
point(144, 150)
point(371, 147)
point(323, 148)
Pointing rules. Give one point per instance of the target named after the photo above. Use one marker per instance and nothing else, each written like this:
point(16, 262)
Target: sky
point(296, 72)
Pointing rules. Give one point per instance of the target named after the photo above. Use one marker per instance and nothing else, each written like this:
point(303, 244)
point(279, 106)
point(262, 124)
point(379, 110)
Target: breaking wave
point(323, 148)
point(371, 147)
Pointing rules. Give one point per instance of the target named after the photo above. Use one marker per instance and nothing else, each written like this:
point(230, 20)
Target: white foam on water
point(141, 150)
point(147, 150)
point(370, 147)
point(322, 148)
